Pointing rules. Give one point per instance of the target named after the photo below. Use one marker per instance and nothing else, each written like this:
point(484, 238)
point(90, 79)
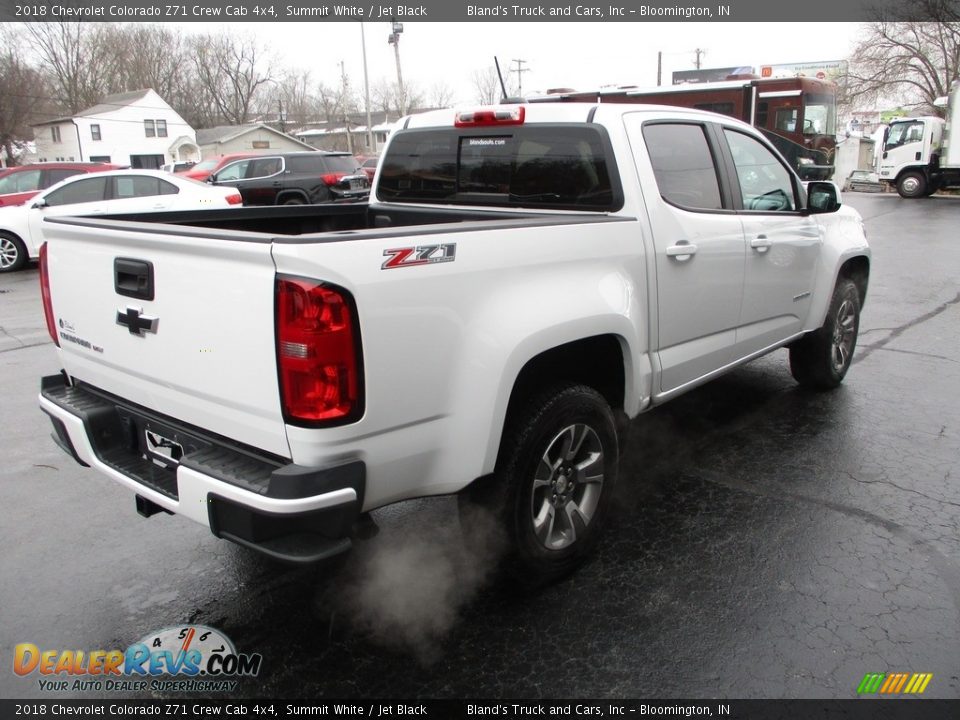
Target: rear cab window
point(567, 167)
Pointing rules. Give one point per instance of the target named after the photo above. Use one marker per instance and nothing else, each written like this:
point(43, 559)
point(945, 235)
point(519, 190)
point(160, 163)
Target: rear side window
point(683, 165)
point(134, 186)
point(564, 167)
point(264, 167)
point(306, 164)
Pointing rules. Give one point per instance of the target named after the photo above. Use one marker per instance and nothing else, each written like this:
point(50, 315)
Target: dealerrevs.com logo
point(185, 658)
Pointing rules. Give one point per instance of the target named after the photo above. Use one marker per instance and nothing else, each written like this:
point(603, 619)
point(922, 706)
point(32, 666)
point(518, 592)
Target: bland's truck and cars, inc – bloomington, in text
point(523, 280)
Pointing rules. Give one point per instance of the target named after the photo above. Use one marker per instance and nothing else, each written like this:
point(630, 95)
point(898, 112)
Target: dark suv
point(295, 178)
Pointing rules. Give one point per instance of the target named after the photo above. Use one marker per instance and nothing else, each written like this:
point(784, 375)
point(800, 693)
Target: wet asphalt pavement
point(766, 542)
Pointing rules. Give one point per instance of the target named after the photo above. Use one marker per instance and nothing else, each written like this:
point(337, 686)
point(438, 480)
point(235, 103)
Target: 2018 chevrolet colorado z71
point(523, 276)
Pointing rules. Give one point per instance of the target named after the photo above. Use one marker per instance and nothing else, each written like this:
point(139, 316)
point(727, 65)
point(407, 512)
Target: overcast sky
point(558, 54)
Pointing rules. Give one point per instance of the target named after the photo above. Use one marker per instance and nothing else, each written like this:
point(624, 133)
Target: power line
point(519, 70)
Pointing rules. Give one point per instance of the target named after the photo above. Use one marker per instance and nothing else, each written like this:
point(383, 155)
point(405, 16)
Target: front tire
point(550, 494)
point(13, 253)
point(912, 185)
point(821, 358)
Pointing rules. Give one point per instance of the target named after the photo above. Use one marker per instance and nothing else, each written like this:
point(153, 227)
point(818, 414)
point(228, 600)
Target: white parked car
point(113, 192)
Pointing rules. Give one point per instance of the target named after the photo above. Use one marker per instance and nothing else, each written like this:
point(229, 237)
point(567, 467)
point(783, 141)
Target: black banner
point(863, 709)
point(470, 10)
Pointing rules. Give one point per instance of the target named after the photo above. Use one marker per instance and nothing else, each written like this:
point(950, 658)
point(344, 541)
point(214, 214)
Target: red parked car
point(19, 184)
point(204, 169)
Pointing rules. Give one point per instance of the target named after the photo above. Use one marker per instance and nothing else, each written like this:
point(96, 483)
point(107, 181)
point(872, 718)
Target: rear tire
point(821, 358)
point(13, 253)
point(543, 510)
point(912, 185)
point(294, 201)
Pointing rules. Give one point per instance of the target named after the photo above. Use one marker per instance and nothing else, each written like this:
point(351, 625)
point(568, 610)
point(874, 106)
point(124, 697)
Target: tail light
point(332, 178)
point(490, 117)
point(45, 294)
point(318, 352)
point(235, 199)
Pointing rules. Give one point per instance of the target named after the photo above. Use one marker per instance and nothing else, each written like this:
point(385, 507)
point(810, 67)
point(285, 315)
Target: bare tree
point(441, 95)
point(151, 56)
point(911, 62)
point(381, 96)
point(292, 98)
point(486, 86)
point(21, 100)
point(230, 71)
point(78, 60)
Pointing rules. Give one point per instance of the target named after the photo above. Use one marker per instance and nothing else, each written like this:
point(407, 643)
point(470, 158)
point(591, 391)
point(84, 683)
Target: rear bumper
point(290, 512)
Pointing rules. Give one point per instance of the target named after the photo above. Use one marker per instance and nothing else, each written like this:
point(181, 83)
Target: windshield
point(25, 181)
point(819, 114)
point(205, 165)
point(902, 133)
point(341, 163)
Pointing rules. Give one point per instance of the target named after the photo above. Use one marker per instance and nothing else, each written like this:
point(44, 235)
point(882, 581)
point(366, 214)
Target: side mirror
point(39, 204)
point(822, 197)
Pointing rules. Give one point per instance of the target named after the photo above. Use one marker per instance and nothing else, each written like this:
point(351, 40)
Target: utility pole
point(659, 66)
point(344, 96)
point(698, 52)
point(394, 40)
point(520, 69)
point(366, 89)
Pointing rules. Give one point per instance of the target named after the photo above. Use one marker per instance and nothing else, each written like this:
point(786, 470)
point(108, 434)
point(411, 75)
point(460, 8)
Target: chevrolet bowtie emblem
point(135, 322)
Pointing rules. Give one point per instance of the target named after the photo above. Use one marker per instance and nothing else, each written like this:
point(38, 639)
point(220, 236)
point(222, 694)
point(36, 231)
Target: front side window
point(87, 190)
point(235, 171)
point(17, 182)
point(95, 132)
point(786, 119)
point(149, 128)
point(765, 184)
point(683, 165)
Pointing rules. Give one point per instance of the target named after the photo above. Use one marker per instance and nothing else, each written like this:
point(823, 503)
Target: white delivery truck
point(918, 157)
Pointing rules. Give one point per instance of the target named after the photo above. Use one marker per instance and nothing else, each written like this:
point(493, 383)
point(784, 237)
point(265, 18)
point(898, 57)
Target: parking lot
point(767, 542)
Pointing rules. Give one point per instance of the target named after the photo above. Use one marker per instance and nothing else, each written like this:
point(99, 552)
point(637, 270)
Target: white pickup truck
point(524, 278)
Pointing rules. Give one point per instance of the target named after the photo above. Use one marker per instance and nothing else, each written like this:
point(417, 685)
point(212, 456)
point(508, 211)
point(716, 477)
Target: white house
point(257, 137)
point(134, 128)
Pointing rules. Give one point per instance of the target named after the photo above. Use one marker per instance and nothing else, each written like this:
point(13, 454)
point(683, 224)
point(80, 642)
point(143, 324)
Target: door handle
point(682, 251)
point(760, 243)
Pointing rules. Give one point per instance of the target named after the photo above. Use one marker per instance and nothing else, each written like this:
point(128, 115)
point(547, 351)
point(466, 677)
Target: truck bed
point(299, 220)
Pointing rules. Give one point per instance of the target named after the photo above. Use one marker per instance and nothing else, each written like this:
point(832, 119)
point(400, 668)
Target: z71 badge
point(420, 255)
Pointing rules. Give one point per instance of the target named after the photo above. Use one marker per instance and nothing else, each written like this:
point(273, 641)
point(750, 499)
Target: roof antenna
point(503, 87)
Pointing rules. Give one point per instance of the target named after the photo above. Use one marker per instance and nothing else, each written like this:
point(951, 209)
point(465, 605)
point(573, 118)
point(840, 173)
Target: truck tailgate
point(194, 335)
